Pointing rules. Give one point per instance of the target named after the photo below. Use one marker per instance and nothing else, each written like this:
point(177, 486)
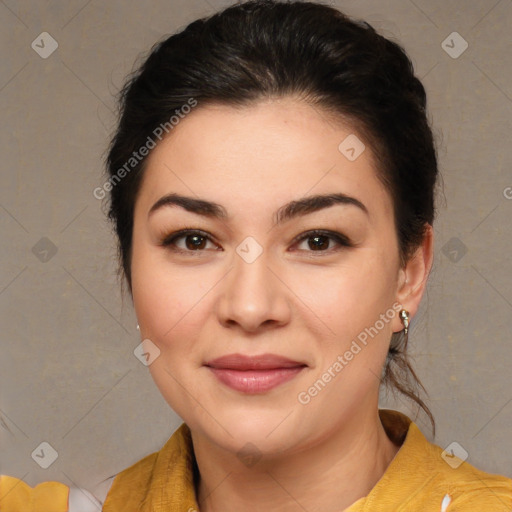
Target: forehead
point(268, 152)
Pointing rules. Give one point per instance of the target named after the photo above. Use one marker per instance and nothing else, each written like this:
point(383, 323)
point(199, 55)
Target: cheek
point(172, 304)
point(172, 308)
point(166, 302)
point(356, 306)
point(348, 297)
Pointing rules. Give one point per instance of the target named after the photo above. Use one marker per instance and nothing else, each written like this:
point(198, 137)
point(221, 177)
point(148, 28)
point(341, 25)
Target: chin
point(263, 431)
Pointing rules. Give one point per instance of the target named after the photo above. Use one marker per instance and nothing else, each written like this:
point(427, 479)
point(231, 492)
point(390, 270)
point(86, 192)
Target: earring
point(138, 328)
point(404, 315)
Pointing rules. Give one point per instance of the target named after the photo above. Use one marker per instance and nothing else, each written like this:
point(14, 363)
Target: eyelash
point(340, 239)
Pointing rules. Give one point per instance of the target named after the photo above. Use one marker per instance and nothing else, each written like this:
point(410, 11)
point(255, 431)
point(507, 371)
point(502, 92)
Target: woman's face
point(249, 285)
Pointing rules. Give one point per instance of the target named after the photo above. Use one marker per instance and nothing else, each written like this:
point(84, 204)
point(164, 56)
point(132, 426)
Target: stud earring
point(138, 328)
point(404, 316)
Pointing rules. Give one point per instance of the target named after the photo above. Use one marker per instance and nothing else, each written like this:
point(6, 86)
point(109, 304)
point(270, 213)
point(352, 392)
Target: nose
point(253, 295)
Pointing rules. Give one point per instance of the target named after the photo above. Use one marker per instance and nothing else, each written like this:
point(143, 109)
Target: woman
point(272, 186)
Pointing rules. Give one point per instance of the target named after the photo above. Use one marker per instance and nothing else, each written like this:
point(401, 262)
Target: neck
point(328, 476)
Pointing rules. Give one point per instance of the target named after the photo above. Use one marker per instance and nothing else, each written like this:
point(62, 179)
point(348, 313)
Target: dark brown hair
point(269, 48)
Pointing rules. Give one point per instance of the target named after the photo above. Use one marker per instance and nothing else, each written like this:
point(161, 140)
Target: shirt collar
point(175, 474)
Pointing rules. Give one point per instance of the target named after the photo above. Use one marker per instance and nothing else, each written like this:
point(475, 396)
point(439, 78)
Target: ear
point(412, 279)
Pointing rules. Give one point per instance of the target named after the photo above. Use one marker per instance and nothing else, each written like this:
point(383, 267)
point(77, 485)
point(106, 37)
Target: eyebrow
point(293, 209)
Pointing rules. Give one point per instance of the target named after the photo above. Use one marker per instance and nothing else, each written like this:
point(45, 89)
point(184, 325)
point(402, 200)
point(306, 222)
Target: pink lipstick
point(254, 374)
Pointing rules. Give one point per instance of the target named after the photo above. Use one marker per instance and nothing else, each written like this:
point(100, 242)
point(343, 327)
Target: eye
point(319, 240)
point(194, 240)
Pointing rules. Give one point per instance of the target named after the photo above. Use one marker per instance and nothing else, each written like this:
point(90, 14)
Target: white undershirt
point(81, 500)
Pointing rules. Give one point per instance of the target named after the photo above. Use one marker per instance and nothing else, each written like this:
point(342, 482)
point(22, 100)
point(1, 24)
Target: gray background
point(68, 373)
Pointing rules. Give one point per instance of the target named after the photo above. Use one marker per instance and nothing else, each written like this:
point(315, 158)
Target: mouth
point(254, 374)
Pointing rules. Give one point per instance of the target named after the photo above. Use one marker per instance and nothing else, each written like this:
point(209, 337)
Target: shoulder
point(17, 496)
point(125, 491)
point(468, 485)
point(423, 476)
point(130, 485)
point(165, 472)
point(465, 487)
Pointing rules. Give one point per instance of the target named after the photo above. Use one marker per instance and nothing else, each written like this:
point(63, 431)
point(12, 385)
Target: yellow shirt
point(418, 479)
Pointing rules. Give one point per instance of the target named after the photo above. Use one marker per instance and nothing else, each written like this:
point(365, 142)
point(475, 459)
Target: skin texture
point(294, 300)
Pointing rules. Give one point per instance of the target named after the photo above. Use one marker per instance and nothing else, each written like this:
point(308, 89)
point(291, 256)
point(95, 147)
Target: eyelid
point(183, 233)
point(339, 238)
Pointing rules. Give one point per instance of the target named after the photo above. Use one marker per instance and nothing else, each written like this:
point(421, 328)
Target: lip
point(259, 362)
point(254, 374)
